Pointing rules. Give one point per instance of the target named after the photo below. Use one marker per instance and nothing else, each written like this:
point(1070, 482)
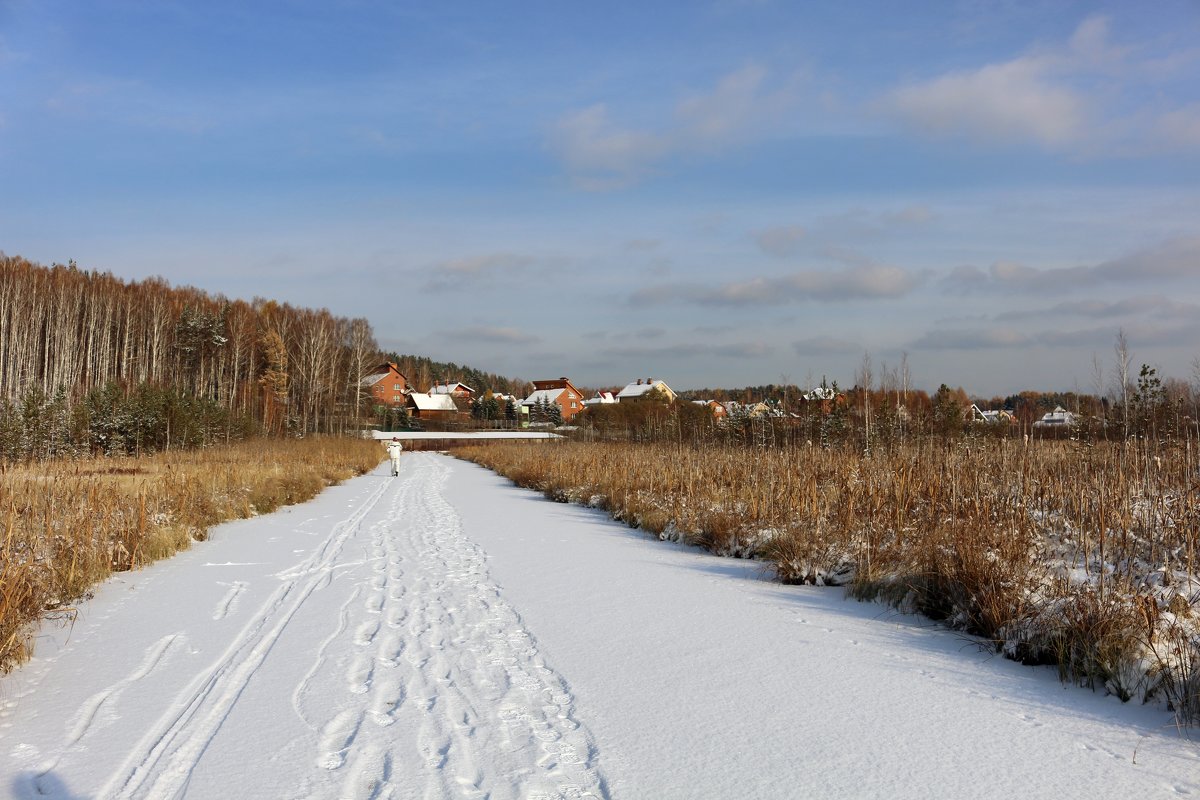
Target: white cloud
point(600, 154)
point(1014, 101)
point(1087, 95)
point(782, 241)
point(735, 104)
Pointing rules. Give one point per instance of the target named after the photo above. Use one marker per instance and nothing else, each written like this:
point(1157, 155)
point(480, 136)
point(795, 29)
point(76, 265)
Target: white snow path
point(444, 634)
point(382, 663)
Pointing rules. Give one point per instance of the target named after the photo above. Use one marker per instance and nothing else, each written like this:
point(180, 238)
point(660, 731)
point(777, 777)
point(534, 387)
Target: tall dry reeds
point(1079, 556)
point(68, 524)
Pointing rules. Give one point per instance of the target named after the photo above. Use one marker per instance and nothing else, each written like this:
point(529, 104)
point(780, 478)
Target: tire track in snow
point(162, 765)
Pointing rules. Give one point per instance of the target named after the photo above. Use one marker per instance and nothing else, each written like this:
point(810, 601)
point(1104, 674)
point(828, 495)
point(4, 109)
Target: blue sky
point(718, 194)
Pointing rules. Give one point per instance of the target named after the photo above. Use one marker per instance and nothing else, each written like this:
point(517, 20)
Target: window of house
point(396, 387)
point(573, 404)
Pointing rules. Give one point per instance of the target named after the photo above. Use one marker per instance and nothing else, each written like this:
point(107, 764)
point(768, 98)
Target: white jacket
point(394, 450)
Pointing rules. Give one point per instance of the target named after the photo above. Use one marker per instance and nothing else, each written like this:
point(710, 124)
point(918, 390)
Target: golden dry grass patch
point(68, 524)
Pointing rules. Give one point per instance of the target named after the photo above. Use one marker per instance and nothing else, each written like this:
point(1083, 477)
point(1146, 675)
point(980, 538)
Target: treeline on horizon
point(423, 372)
point(884, 411)
point(92, 363)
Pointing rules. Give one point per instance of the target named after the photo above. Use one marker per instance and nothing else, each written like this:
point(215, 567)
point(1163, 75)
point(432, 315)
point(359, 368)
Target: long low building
point(438, 435)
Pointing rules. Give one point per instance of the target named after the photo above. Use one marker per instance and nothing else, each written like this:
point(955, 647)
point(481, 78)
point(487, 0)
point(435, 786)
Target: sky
point(722, 193)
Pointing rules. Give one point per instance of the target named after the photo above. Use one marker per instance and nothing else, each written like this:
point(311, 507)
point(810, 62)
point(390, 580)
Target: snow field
point(445, 635)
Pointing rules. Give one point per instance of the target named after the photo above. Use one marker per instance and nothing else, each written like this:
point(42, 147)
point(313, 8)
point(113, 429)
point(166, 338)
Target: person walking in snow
point(394, 449)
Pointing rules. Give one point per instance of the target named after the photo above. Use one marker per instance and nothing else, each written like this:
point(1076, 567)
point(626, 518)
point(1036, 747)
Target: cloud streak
point(485, 333)
point(782, 241)
point(864, 282)
point(489, 269)
point(693, 350)
point(1175, 259)
point(982, 339)
point(1157, 305)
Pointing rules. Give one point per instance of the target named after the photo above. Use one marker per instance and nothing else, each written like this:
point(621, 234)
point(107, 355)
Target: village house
point(455, 389)
point(717, 408)
point(431, 406)
point(997, 417)
point(387, 384)
point(825, 398)
point(639, 389)
point(601, 398)
point(1057, 419)
point(560, 392)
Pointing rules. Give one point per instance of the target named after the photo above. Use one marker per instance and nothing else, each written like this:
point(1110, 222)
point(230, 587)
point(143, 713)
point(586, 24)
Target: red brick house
point(715, 406)
point(559, 391)
point(386, 384)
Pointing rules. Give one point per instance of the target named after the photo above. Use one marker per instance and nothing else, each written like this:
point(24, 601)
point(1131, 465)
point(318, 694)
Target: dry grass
point(68, 524)
point(1082, 557)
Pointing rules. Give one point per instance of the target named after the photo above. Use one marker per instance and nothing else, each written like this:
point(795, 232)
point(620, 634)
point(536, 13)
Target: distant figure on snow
point(394, 449)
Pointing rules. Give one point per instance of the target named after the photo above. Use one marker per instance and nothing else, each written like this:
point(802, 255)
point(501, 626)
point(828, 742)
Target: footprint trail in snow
point(421, 680)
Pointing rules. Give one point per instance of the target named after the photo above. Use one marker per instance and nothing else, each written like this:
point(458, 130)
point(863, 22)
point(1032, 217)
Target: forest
point(93, 363)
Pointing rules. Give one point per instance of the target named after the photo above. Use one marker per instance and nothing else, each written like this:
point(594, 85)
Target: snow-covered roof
point(371, 380)
point(450, 388)
point(542, 395)
point(820, 393)
point(600, 398)
point(638, 389)
point(430, 402)
point(1059, 416)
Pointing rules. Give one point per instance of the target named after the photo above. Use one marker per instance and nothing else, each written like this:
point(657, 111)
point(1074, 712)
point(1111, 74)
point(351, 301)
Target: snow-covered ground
point(443, 634)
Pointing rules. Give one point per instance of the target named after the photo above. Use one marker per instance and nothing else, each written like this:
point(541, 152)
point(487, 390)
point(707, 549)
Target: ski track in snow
point(162, 766)
point(426, 641)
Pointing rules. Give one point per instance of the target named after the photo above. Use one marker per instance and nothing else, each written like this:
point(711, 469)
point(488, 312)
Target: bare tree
point(865, 378)
point(1122, 359)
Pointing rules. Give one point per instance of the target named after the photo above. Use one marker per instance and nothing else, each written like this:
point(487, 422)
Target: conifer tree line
point(423, 372)
point(89, 361)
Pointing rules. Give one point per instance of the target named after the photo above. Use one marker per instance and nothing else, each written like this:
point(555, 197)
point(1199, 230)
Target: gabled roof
point(450, 388)
point(1059, 416)
point(381, 371)
point(639, 388)
point(430, 402)
point(546, 395)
